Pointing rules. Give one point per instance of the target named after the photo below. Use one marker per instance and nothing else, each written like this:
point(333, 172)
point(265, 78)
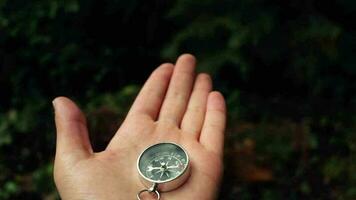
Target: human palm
point(174, 105)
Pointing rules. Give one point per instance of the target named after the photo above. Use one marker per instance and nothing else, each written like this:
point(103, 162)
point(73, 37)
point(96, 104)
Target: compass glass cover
point(163, 162)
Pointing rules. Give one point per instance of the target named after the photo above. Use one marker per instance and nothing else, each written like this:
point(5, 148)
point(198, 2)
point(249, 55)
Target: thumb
point(72, 134)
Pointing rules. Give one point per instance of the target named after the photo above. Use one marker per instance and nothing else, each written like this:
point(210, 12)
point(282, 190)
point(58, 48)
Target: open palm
point(173, 106)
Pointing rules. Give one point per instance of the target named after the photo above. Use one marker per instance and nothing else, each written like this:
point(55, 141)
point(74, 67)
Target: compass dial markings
point(163, 163)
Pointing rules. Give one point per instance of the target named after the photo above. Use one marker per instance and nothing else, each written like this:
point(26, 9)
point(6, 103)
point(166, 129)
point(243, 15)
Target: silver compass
point(163, 167)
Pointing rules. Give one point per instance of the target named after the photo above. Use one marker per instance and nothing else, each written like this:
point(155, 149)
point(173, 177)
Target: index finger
point(148, 101)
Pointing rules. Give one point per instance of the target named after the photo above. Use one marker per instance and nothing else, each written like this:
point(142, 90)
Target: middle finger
point(179, 90)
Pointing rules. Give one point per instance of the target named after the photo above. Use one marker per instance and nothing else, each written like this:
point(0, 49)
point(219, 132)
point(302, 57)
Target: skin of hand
point(174, 105)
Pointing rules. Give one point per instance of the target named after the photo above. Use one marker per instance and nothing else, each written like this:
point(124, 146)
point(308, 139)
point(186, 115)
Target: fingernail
point(54, 104)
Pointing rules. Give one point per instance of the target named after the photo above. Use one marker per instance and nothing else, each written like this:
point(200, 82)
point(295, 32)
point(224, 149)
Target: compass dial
point(163, 162)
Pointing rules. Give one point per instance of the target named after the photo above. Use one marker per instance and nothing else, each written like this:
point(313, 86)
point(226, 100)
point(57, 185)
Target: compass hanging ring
point(163, 167)
point(146, 190)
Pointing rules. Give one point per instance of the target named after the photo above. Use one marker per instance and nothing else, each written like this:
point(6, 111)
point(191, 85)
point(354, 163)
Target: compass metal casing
point(170, 183)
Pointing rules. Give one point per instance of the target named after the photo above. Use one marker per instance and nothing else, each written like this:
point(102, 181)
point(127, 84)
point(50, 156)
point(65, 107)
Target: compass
point(163, 167)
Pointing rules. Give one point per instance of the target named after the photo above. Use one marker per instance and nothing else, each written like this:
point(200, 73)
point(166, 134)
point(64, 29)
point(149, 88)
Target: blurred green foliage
point(287, 70)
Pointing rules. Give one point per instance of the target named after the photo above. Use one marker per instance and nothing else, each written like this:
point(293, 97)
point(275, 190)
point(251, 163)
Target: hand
point(173, 105)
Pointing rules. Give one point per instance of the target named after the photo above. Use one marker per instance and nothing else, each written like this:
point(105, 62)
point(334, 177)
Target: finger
point(212, 135)
point(150, 98)
point(194, 116)
point(179, 90)
point(72, 134)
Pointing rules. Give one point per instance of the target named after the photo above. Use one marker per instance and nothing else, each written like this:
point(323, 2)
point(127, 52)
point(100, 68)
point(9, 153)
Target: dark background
point(286, 68)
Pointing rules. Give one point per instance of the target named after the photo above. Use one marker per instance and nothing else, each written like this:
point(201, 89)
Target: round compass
point(165, 165)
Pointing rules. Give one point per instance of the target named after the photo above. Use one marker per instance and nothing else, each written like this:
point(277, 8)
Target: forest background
point(286, 68)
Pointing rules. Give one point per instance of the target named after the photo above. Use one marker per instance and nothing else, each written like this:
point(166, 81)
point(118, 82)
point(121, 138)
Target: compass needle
point(150, 168)
point(173, 167)
point(166, 173)
point(160, 177)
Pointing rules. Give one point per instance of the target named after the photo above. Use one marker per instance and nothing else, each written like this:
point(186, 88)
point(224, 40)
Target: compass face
point(163, 162)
